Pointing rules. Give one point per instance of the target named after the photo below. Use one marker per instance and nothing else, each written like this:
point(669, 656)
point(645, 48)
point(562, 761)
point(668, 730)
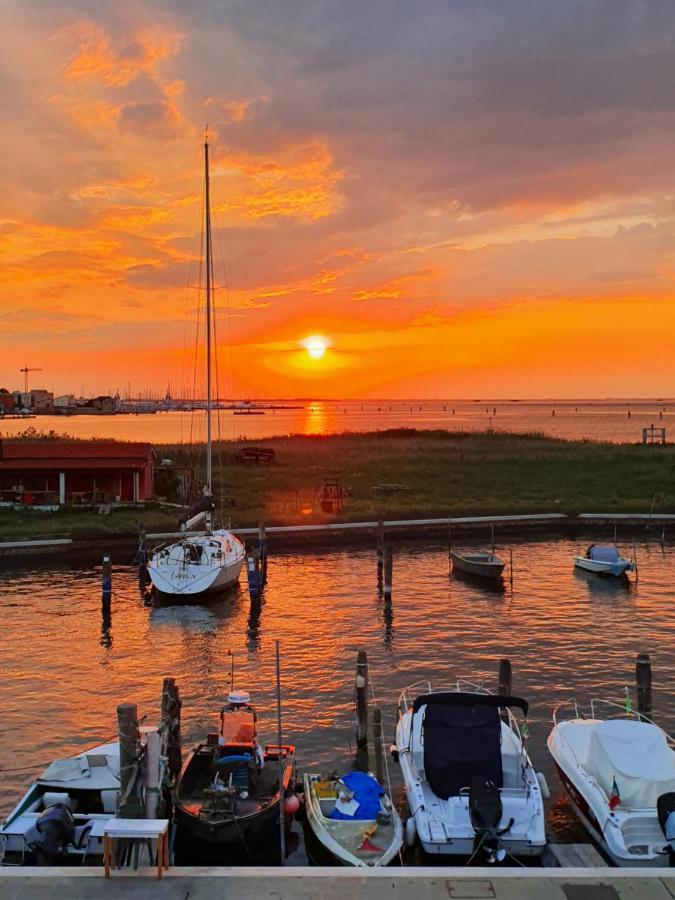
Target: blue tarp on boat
point(366, 791)
point(603, 554)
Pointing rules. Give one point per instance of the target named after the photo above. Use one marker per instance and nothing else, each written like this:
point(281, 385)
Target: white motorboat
point(482, 563)
point(369, 834)
point(62, 814)
point(604, 561)
point(617, 771)
point(470, 782)
point(211, 561)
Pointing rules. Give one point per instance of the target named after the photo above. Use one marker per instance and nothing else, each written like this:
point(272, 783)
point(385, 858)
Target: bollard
point(361, 690)
point(106, 578)
point(388, 569)
point(643, 682)
point(377, 744)
point(505, 678)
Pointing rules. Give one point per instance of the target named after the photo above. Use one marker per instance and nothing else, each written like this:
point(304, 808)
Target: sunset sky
point(462, 197)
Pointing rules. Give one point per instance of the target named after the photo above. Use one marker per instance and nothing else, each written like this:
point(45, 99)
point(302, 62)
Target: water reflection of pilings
point(384, 587)
point(253, 625)
point(106, 639)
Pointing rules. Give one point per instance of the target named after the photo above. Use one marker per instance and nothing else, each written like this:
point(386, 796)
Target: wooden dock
point(305, 883)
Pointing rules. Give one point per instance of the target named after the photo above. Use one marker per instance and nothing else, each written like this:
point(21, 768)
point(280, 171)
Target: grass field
point(444, 474)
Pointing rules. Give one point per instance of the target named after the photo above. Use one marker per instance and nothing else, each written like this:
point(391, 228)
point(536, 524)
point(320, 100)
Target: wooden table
point(136, 830)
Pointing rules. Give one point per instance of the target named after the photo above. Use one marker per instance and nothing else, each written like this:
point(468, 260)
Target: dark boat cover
point(462, 739)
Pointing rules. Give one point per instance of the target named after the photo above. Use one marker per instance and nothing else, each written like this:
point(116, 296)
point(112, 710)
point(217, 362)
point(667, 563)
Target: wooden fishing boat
point(230, 789)
point(371, 841)
point(483, 563)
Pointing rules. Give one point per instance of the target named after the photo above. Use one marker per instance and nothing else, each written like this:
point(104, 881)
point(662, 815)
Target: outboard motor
point(665, 810)
point(485, 812)
point(47, 840)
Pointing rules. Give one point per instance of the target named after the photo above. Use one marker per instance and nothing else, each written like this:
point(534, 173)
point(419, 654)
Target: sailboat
point(211, 560)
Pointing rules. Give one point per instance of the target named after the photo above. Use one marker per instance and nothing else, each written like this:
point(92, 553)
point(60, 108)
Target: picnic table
point(136, 830)
point(256, 455)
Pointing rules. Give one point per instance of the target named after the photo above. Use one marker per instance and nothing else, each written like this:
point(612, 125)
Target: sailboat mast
point(209, 289)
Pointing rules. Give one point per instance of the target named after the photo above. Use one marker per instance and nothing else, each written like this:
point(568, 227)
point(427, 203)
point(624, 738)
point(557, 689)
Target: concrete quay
point(305, 883)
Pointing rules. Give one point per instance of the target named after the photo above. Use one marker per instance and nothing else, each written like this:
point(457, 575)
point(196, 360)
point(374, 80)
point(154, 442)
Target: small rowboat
point(351, 841)
point(483, 563)
point(604, 561)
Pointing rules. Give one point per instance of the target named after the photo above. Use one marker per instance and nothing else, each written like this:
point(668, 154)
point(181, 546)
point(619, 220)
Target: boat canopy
point(636, 756)
point(465, 698)
point(603, 554)
point(461, 742)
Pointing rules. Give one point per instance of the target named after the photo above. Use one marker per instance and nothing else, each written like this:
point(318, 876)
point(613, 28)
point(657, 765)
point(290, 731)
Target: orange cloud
point(98, 60)
point(297, 182)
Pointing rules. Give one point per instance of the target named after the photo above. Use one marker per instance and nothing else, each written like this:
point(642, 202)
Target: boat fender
point(543, 786)
point(410, 832)
point(291, 805)
point(394, 752)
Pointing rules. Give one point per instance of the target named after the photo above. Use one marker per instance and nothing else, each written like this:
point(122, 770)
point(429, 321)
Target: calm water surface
point(64, 671)
point(573, 419)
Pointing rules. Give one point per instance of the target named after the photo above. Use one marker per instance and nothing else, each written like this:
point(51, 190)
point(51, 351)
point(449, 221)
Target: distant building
point(103, 404)
point(50, 472)
point(41, 401)
point(65, 401)
point(6, 401)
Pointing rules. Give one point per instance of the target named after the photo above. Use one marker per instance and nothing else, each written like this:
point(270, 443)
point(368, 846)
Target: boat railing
point(623, 711)
point(411, 693)
point(571, 701)
point(630, 713)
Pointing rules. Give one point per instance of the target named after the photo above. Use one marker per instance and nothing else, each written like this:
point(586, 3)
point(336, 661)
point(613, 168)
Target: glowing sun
point(315, 345)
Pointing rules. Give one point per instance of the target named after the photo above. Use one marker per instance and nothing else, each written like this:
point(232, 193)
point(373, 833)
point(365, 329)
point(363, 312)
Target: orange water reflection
point(567, 636)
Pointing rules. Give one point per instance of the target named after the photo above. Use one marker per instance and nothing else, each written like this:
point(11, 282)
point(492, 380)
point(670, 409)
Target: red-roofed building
point(50, 472)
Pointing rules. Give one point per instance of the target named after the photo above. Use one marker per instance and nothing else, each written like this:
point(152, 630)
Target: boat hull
point(598, 567)
point(245, 831)
point(221, 559)
point(328, 849)
point(607, 827)
point(473, 566)
point(250, 827)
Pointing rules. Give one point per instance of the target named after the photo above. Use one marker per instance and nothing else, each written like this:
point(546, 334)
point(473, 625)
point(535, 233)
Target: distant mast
point(208, 487)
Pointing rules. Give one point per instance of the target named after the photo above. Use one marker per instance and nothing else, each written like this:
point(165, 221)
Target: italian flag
point(615, 796)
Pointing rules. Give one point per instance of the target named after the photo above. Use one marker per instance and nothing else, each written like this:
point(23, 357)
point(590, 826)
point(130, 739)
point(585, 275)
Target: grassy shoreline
point(444, 473)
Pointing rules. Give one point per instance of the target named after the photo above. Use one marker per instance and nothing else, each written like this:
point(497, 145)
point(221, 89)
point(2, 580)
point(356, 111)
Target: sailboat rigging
point(212, 560)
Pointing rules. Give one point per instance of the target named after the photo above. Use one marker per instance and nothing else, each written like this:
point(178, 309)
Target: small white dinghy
point(470, 782)
point(62, 814)
point(373, 840)
point(604, 561)
point(483, 563)
point(617, 772)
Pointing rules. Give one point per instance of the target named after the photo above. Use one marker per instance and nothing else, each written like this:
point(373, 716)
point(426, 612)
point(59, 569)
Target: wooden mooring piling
point(643, 684)
point(361, 701)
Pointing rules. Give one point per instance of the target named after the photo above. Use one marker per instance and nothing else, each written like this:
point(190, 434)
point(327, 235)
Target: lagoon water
point(599, 420)
point(64, 669)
